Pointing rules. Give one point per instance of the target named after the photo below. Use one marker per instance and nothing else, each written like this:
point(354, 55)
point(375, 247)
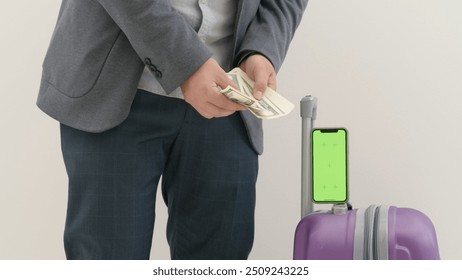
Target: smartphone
point(329, 152)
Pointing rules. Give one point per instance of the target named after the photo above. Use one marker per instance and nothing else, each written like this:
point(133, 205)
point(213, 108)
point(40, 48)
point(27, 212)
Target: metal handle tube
point(308, 111)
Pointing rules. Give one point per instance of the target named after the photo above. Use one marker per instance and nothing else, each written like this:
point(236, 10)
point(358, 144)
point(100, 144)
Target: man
point(134, 85)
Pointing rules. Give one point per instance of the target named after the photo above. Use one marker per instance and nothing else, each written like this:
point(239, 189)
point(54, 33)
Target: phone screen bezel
point(313, 141)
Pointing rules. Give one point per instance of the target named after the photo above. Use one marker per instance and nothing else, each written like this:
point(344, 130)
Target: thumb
point(261, 82)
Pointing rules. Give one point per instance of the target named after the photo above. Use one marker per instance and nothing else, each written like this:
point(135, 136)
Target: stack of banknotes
point(271, 106)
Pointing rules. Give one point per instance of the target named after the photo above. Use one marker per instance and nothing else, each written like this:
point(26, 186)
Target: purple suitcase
point(379, 232)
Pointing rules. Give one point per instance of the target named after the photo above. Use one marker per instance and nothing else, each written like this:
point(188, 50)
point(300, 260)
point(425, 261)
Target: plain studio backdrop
point(388, 71)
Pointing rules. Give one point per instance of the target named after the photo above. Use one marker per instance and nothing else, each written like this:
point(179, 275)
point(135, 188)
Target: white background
point(389, 71)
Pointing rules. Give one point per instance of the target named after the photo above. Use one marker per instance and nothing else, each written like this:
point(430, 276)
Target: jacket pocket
point(80, 46)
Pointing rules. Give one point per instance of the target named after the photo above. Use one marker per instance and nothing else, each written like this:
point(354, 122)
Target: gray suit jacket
point(100, 47)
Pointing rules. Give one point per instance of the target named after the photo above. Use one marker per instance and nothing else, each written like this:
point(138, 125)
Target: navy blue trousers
point(208, 170)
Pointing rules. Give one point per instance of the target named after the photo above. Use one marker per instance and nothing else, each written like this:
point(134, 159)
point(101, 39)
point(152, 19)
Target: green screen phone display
point(329, 164)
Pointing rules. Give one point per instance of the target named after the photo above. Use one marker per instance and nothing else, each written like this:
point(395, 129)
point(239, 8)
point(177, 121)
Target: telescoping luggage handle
point(308, 111)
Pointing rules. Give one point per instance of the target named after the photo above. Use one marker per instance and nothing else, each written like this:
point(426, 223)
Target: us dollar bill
point(271, 106)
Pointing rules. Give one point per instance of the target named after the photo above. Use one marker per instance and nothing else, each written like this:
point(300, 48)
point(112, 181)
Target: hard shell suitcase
point(378, 232)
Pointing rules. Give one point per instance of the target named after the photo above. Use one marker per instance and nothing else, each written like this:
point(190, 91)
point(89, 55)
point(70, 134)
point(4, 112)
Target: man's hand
point(260, 69)
point(201, 91)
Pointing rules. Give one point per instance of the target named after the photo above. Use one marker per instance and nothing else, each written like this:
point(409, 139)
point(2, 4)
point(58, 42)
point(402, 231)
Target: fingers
point(260, 69)
point(264, 79)
point(223, 81)
point(216, 108)
point(217, 99)
point(211, 103)
point(221, 101)
point(201, 91)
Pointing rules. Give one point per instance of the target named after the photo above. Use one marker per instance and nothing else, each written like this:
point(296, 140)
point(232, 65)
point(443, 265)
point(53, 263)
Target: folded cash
point(271, 106)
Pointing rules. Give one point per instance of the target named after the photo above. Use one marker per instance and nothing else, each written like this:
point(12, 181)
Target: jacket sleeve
point(161, 37)
point(272, 30)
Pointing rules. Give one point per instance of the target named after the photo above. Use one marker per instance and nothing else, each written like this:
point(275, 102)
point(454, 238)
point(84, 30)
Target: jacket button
point(147, 61)
point(153, 68)
point(158, 74)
